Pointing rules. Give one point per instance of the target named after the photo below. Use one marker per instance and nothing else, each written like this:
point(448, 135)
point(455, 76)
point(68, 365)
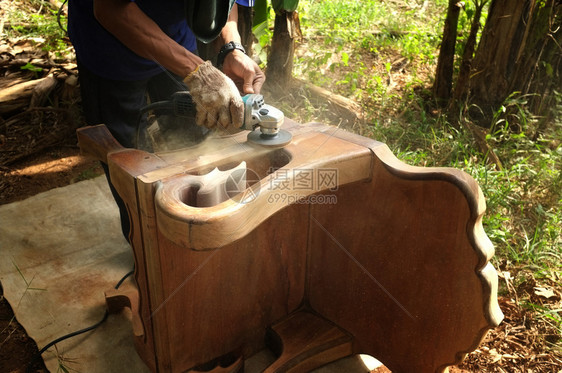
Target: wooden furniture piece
point(327, 247)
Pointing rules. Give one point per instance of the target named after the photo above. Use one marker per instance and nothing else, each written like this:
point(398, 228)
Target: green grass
point(351, 47)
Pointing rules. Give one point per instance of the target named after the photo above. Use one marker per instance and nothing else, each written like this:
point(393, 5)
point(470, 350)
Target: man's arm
point(245, 73)
point(128, 23)
point(216, 96)
point(230, 30)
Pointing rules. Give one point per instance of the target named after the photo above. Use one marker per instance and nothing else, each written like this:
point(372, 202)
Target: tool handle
point(183, 105)
point(97, 142)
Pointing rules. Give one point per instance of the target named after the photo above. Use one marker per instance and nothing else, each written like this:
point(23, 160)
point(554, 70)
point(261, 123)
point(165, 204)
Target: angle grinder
point(263, 120)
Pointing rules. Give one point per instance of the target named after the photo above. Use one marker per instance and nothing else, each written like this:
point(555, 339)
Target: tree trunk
point(280, 60)
point(494, 61)
point(444, 73)
point(520, 51)
point(461, 86)
point(245, 23)
point(538, 65)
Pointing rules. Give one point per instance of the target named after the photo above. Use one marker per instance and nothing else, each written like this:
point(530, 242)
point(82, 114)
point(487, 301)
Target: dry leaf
point(544, 292)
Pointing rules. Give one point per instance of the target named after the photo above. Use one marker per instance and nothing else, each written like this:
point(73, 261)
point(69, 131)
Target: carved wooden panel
point(330, 238)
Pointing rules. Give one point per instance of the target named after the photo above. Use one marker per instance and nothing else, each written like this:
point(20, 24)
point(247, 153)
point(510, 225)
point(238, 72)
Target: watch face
point(206, 18)
point(232, 46)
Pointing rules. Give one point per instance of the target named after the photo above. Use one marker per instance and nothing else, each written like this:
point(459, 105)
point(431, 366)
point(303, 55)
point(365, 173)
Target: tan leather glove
point(217, 100)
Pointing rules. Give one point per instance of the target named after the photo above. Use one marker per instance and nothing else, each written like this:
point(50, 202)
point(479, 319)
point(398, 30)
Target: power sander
point(263, 120)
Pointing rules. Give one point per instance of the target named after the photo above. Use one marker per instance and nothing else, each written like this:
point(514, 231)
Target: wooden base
point(332, 224)
point(221, 365)
point(304, 341)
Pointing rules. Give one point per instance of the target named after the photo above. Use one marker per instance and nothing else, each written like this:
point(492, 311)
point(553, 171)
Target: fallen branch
point(42, 91)
point(480, 137)
point(17, 96)
point(44, 64)
point(24, 26)
point(342, 105)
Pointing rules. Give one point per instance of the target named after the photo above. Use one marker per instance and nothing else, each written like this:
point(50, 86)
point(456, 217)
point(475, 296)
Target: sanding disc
point(281, 138)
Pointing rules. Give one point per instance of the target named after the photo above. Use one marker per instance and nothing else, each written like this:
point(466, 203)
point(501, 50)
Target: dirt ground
point(16, 348)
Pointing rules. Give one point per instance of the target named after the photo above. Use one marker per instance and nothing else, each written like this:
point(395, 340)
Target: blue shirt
point(104, 55)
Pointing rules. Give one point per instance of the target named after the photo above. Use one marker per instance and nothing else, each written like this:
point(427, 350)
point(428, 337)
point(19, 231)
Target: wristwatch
point(226, 49)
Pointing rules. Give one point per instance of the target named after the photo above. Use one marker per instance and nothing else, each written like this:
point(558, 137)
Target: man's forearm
point(230, 30)
point(128, 23)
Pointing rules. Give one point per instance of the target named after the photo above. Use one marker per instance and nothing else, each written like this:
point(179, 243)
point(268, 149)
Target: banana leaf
point(284, 5)
point(260, 12)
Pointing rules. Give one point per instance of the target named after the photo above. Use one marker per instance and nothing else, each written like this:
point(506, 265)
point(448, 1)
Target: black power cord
point(59, 13)
point(74, 334)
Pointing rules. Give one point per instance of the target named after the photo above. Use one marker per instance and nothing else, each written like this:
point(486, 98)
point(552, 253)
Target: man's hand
point(216, 98)
point(245, 73)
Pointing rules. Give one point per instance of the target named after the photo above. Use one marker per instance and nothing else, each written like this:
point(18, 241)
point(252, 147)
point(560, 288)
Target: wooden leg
point(221, 366)
point(116, 300)
point(304, 341)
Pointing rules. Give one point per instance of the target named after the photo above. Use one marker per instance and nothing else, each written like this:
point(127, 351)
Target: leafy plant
point(286, 5)
point(42, 25)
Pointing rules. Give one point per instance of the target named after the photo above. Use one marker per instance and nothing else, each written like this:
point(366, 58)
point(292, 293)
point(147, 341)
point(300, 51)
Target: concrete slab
point(59, 252)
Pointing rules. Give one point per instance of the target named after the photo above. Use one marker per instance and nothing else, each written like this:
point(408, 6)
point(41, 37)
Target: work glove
point(217, 100)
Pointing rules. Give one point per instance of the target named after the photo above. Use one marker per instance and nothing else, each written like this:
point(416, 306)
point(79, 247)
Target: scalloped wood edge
point(481, 244)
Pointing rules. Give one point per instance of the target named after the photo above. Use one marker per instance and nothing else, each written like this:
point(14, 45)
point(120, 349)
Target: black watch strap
point(226, 49)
